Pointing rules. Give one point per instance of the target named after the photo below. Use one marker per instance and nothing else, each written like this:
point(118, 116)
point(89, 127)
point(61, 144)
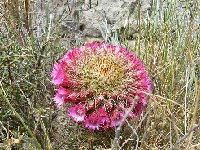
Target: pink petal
point(116, 118)
point(77, 112)
point(92, 122)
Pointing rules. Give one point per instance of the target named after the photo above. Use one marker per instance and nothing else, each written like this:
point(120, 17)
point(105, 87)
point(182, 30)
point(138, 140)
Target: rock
point(92, 18)
point(117, 14)
point(87, 19)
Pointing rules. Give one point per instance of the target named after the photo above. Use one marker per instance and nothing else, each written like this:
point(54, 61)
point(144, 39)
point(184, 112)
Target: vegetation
point(168, 44)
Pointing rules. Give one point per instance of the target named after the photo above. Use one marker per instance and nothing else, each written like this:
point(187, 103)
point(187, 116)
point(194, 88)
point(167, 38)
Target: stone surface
point(85, 19)
point(78, 19)
point(117, 14)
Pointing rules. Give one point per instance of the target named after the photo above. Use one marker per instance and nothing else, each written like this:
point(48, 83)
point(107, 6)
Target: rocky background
point(91, 19)
point(74, 22)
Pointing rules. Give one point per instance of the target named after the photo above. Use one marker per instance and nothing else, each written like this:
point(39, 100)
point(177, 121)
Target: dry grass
point(167, 43)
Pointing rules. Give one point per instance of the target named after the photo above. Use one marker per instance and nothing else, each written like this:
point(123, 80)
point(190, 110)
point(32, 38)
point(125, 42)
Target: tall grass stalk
point(37, 144)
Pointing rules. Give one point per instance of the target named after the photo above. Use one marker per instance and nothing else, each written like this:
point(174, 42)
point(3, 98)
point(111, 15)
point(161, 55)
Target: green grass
point(168, 45)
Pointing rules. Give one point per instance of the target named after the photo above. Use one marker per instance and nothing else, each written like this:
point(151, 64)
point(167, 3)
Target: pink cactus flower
point(116, 118)
point(93, 104)
point(59, 100)
point(61, 96)
point(58, 74)
point(100, 81)
point(77, 112)
point(103, 115)
point(92, 122)
point(103, 118)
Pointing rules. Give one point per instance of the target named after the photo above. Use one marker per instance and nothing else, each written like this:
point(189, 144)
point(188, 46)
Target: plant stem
point(21, 120)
